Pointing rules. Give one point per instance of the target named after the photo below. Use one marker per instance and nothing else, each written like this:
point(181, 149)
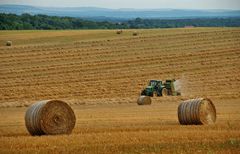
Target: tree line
point(44, 22)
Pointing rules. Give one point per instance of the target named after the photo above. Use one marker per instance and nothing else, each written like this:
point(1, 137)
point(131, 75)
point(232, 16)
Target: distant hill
point(118, 14)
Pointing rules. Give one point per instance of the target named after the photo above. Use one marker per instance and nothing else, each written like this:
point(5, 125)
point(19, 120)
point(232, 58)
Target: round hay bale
point(135, 33)
point(50, 117)
point(197, 111)
point(9, 43)
point(144, 100)
point(119, 31)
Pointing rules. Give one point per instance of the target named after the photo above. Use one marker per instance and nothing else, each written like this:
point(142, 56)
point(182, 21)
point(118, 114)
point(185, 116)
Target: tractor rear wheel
point(164, 92)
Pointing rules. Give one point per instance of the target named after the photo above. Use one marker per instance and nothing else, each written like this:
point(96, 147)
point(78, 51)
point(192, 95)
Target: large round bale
point(9, 43)
point(144, 100)
point(119, 31)
point(135, 33)
point(197, 111)
point(50, 117)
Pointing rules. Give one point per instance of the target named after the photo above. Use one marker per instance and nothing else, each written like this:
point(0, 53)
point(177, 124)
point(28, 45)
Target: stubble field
point(100, 74)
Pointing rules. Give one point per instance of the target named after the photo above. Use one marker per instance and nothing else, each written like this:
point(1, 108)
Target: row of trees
point(176, 23)
point(30, 22)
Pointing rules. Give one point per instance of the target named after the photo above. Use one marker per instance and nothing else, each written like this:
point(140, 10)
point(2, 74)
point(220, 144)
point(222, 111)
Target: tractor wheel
point(164, 92)
point(155, 94)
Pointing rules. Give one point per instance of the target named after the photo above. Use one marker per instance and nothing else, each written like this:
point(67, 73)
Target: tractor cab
point(154, 87)
point(155, 83)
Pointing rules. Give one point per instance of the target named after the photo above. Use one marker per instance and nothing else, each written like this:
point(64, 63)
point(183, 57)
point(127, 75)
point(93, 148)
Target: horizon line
point(222, 9)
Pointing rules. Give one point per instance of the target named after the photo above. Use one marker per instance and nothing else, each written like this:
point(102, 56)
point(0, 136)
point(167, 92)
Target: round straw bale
point(144, 100)
point(50, 117)
point(119, 31)
point(135, 33)
point(197, 111)
point(9, 43)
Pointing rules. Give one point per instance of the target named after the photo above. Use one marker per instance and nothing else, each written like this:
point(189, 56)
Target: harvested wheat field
point(100, 74)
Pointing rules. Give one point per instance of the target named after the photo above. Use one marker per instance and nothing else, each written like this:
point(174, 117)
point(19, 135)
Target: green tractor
point(158, 88)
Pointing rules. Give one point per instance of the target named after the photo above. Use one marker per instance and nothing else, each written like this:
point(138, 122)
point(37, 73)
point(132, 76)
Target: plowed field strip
point(109, 56)
point(178, 61)
point(173, 37)
point(109, 70)
point(107, 76)
point(163, 43)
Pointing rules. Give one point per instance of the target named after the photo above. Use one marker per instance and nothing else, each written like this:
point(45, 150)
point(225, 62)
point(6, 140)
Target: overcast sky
point(180, 4)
